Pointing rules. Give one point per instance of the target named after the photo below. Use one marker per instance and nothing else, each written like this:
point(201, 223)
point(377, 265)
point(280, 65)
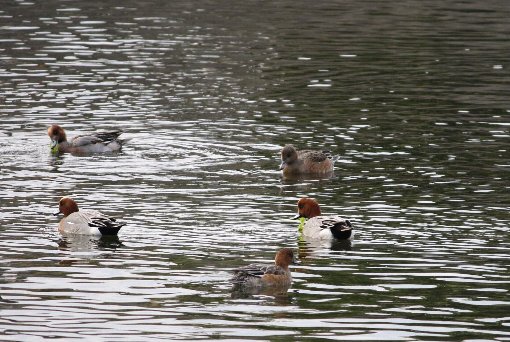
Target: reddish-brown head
point(57, 134)
point(67, 206)
point(284, 257)
point(308, 208)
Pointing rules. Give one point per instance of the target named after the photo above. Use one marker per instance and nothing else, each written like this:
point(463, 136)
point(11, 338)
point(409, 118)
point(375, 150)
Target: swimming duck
point(321, 227)
point(305, 161)
point(262, 276)
point(86, 222)
point(101, 142)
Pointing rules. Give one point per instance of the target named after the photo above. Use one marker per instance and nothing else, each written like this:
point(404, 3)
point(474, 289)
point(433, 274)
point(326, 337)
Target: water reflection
point(279, 293)
point(56, 160)
point(294, 179)
point(305, 186)
point(86, 243)
point(308, 247)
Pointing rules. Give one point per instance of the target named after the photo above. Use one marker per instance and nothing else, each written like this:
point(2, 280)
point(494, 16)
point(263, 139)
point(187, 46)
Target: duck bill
point(283, 165)
point(54, 146)
point(297, 217)
point(56, 214)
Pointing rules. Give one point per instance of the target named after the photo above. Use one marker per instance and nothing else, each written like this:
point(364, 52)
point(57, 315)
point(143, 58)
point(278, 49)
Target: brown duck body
point(261, 276)
point(305, 162)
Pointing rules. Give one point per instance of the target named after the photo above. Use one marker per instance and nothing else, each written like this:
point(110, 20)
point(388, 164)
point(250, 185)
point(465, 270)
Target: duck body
point(305, 162)
point(263, 276)
point(321, 227)
point(101, 142)
point(85, 222)
point(89, 222)
point(328, 228)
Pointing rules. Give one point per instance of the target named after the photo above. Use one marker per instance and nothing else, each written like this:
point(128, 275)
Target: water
point(413, 96)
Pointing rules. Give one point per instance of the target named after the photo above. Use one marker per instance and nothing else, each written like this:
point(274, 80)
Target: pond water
point(412, 95)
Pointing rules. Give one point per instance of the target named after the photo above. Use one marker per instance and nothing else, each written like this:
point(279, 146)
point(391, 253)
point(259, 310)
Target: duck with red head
point(322, 227)
point(67, 206)
point(261, 277)
point(85, 222)
point(101, 142)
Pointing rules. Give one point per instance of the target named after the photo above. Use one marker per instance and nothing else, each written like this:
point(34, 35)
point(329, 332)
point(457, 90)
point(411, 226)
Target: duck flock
point(252, 278)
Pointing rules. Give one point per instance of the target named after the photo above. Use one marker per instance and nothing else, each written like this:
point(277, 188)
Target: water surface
point(413, 96)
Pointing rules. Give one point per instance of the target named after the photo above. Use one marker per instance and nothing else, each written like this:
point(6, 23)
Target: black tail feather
point(106, 226)
point(342, 230)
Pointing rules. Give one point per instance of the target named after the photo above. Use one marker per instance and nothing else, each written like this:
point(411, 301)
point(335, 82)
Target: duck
point(301, 162)
point(100, 142)
point(321, 227)
point(86, 221)
point(267, 276)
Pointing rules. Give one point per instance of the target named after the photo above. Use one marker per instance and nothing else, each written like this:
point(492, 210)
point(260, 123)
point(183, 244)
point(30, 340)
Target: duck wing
point(315, 156)
point(106, 225)
point(257, 271)
point(101, 137)
point(340, 228)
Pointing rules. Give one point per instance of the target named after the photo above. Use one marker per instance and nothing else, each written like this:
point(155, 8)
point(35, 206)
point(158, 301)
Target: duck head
point(285, 257)
point(288, 155)
point(307, 208)
point(67, 206)
point(57, 136)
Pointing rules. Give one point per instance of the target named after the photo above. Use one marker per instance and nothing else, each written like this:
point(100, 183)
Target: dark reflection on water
point(86, 242)
point(280, 295)
point(412, 96)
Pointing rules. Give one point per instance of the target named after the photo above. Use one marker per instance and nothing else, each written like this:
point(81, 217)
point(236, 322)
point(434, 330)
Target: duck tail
point(107, 226)
point(112, 230)
point(117, 143)
point(342, 230)
point(109, 136)
point(335, 158)
point(330, 155)
point(238, 278)
point(123, 141)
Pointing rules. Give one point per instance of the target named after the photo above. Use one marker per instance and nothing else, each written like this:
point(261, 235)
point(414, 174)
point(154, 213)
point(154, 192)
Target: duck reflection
point(278, 298)
point(311, 248)
point(280, 294)
point(86, 243)
point(56, 160)
point(303, 183)
point(290, 179)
